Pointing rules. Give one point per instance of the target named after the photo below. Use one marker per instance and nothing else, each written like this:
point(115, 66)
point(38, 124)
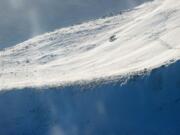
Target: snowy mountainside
point(146, 105)
point(144, 38)
point(29, 18)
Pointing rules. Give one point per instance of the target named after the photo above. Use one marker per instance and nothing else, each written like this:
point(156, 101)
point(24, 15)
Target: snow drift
point(142, 39)
point(140, 46)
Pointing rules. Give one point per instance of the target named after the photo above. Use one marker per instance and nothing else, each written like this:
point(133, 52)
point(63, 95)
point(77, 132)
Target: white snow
point(145, 38)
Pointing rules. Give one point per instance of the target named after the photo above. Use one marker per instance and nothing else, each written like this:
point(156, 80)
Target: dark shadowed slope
point(146, 105)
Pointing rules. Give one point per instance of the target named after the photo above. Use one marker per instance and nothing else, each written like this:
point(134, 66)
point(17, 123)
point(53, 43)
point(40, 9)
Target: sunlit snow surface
point(29, 18)
point(144, 38)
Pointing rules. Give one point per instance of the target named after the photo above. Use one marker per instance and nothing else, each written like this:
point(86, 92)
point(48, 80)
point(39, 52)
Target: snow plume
point(131, 3)
point(16, 4)
point(144, 105)
point(61, 124)
point(29, 12)
point(35, 22)
point(27, 18)
point(56, 130)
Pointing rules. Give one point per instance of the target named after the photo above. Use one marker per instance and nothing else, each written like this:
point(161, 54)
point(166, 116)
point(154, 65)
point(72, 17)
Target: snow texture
point(144, 38)
point(113, 76)
point(145, 105)
point(24, 19)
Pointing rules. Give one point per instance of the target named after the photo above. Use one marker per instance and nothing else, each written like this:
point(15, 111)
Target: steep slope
point(113, 76)
point(145, 105)
point(142, 39)
point(24, 19)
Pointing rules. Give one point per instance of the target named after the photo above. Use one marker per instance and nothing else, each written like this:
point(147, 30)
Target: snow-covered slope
point(29, 18)
point(146, 105)
point(141, 39)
